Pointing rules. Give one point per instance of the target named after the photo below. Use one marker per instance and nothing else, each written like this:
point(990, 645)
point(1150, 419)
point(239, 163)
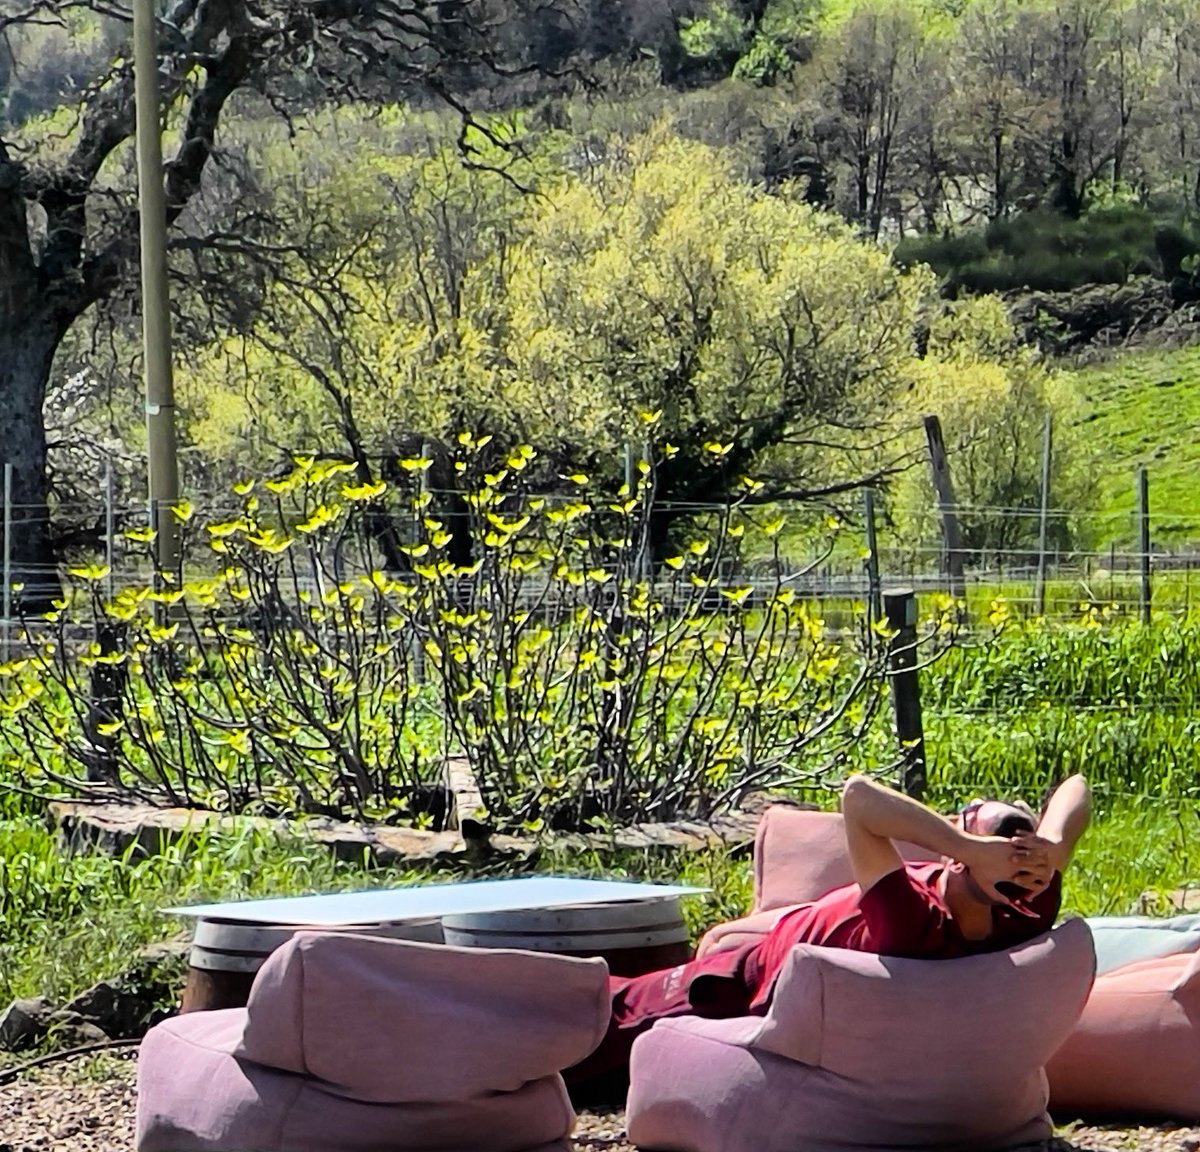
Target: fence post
point(1043, 524)
point(947, 507)
point(7, 569)
point(110, 525)
point(900, 609)
point(872, 561)
point(1143, 529)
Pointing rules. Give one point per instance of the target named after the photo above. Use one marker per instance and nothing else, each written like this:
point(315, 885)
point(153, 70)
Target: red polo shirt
point(901, 914)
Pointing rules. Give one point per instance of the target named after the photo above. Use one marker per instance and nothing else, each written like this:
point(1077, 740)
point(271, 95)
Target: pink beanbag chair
point(798, 856)
point(357, 1042)
point(1136, 1049)
point(862, 1051)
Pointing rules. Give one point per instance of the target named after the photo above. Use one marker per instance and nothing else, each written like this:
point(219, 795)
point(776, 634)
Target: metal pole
point(7, 573)
point(1043, 525)
point(156, 314)
point(872, 562)
point(1143, 521)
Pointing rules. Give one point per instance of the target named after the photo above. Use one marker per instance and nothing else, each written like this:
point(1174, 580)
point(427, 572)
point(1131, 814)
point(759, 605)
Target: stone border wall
point(118, 828)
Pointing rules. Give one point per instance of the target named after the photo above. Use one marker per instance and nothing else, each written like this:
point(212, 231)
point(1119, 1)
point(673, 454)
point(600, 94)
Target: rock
point(1102, 316)
point(70, 1030)
point(24, 1023)
point(124, 1007)
point(116, 1010)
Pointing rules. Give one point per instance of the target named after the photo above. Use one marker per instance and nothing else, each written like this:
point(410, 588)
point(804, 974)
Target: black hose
point(8, 1075)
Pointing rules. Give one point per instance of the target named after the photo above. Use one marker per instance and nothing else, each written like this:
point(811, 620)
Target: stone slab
point(119, 828)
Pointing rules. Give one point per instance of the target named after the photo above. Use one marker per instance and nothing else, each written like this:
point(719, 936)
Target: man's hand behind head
point(996, 861)
point(1038, 865)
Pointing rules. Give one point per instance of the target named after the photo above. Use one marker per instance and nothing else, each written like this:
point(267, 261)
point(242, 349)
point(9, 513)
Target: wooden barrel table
point(226, 954)
point(633, 937)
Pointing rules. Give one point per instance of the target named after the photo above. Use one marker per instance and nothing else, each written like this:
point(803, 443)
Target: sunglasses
point(968, 813)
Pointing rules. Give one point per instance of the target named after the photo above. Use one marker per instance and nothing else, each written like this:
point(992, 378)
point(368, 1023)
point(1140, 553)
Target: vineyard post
point(900, 611)
point(1143, 531)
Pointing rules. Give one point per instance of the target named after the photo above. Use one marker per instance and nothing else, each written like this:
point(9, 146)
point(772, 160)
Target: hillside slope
point(1143, 408)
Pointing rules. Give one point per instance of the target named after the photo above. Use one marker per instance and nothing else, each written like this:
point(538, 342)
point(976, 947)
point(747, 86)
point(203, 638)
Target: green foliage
point(1090, 663)
point(1115, 701)
point(653, 277)
point(993, 398)
point(67, 920)
point(719, 35)
point(1049, 252)
point(579, 687)
point(781, 37)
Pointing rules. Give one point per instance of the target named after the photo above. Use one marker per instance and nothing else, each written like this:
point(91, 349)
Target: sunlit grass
point(1143, 409)
point(69, 921)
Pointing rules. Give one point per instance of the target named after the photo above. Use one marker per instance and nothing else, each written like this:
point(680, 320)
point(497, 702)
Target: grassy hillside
point(1144, 408)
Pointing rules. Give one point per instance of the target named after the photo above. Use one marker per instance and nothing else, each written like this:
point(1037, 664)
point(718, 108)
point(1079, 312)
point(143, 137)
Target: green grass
point(1143, 409)
point(69, 921)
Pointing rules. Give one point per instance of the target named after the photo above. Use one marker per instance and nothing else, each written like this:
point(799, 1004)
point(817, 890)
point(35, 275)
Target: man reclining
point(998, 884)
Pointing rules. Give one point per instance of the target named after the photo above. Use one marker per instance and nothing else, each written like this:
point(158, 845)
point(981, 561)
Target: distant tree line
point(929, 114)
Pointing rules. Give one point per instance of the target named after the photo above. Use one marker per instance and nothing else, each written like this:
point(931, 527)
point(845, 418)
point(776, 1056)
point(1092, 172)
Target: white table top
point(432, 901)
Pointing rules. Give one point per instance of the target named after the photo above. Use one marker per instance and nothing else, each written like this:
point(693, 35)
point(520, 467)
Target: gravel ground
point(86, 1105)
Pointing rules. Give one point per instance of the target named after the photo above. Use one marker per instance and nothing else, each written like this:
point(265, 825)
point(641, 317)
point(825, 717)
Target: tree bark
point(27, 347)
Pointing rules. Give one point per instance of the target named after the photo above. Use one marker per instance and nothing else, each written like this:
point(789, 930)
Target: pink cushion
point(195, 1097)
point(798, 856)
point(355, 1042)
point(862, 1051)
point(354, 1011)
point(1136, 1049)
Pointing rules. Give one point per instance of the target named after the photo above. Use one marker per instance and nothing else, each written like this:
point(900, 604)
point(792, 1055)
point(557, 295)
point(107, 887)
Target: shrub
point(288, 674)
point(1045, 251)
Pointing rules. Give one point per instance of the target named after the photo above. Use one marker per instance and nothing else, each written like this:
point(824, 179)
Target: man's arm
point(1064, 820)
point(876, 816)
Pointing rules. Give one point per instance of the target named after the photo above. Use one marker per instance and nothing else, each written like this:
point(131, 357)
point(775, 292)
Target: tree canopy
point(762, 336)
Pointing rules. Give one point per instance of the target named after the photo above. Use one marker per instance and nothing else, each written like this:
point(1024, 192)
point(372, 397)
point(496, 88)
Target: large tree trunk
point(27, 347)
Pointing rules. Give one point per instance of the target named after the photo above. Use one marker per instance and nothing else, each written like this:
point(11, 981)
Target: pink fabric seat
point(861, 1051)
point(362, 1043)
point(1136, 1049)
point(798, 856)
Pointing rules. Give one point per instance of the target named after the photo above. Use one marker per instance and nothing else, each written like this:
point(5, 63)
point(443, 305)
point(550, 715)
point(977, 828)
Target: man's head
point(999, 818)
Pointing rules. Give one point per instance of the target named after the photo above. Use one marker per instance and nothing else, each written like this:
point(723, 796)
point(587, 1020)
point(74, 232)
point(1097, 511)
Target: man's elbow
point(855, 792)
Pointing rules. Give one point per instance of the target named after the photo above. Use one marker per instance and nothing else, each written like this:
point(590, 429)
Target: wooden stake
point(947, 508)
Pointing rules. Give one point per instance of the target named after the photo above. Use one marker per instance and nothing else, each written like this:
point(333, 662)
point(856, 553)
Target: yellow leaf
point(92, 574)
point(364, 491)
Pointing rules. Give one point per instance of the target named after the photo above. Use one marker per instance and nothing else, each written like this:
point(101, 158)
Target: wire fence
point(1032, 577)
